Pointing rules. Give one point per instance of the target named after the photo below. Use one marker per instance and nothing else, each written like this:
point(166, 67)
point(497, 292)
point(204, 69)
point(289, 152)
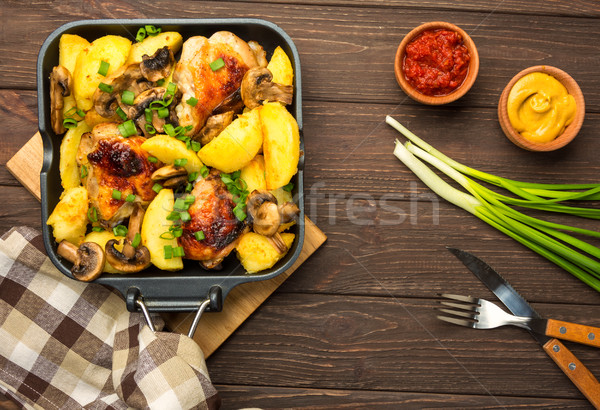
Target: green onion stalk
point(548, 239)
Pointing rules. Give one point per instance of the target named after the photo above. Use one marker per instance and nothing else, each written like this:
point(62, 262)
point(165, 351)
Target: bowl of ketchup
point(436, 63)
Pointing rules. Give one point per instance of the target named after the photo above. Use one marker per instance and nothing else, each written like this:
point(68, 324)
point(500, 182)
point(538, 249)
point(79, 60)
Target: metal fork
point(481, 314)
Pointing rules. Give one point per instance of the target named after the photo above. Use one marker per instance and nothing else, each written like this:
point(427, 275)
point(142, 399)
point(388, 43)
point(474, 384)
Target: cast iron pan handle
point(214, 300)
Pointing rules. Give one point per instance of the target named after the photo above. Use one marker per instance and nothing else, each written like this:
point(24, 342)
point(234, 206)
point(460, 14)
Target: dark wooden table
point(354, 326)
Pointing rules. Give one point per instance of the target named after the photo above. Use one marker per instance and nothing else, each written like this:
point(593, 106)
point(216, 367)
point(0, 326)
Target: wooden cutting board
point(214, 328)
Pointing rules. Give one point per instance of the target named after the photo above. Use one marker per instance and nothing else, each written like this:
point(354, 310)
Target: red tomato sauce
point(436, 62)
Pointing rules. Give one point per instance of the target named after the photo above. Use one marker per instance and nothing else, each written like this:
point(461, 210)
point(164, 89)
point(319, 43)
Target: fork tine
point(455, 321)
point(466, 299)
point(472, 315)
point(468, 308)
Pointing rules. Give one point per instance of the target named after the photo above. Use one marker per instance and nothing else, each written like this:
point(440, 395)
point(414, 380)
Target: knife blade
point(568, 363)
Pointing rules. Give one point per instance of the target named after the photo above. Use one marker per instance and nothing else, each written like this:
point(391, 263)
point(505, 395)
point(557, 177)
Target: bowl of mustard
point(541, 109)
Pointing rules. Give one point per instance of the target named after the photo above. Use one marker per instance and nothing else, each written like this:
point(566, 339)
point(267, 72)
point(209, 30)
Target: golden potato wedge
point(167, 149)
point(236, 145)
point(281, 67)
point(256, 252)
point(69, 218)
point(281, 145)
point(254, 174)
point(101, 238)
point(69, 47)
point(150, 44)
point(69, 171)
point(112, 49)
point(154, 225)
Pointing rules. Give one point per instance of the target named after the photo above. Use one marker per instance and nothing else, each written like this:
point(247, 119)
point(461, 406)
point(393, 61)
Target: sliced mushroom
point(61, 85)
point(266, 216)
point(267, 219)
point(233, 103)
point(159, 65)
point(175, 182)
point(88, 260)
point(130, 259)
point(214, 125)
point(167, 172)
point(257, 86)
point(144, 100)
point(126, 78)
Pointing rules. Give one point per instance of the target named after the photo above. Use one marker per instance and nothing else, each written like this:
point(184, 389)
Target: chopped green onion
point(137, 239)
point(71, 112)
point(173, 216)
point(103, 70)
point(83, 172)
point(546, 238)
point(92, 214)
point(120, 230)
point(81, 113)
point(180, 205)
point(130, 198)
point(192, 101)
point(218, 63)
point(150, 128)
point(163, 112)
point(97, 229)
point(160, 82)
point(199, 235)
point(157, 187)
point(185, 216)
point(288, 187)
point(192, 176)
point(168, 251)
point(171, 88)
point(188, 187)
point(148, 114)
point(141, 35)
point(127, 97)
point(204, 171)
point(189, 199)
point(167, 235)
point(153, 159)
point(176, 230)
point(116, 194)
point(69, 123)
point(167, 99)
point(239, 212)
point(106, 88)
point(169, 130)
point(127, 129)
point(195, 145)
point(178, 251)
point(121, 113)
point(152, 31)
point(180, 162)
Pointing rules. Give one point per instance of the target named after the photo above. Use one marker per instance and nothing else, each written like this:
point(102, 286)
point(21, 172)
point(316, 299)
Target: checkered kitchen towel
point(68, 344)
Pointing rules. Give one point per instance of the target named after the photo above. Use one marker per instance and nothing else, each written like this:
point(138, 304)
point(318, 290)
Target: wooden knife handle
point(575, 370)
point(573, 332)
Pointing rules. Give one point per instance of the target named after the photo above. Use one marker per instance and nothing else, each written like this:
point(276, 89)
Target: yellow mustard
point(539, 107)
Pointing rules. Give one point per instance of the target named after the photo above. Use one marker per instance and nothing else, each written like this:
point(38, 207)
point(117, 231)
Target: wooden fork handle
point(575, 370)
point(573, 332)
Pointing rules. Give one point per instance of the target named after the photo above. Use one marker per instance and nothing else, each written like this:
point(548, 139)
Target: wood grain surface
point(354, 326)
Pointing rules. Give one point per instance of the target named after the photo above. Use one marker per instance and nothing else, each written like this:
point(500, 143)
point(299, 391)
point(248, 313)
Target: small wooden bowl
point(458, 92)
point(570, 131)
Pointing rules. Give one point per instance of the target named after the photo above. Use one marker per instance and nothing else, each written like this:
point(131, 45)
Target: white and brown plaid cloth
point(66, 344)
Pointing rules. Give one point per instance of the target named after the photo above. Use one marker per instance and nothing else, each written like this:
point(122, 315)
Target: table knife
point(568, 363)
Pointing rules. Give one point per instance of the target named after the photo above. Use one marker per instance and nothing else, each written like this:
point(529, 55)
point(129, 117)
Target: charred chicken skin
point(217, 90)
point(115, 163)
point(211, 213)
